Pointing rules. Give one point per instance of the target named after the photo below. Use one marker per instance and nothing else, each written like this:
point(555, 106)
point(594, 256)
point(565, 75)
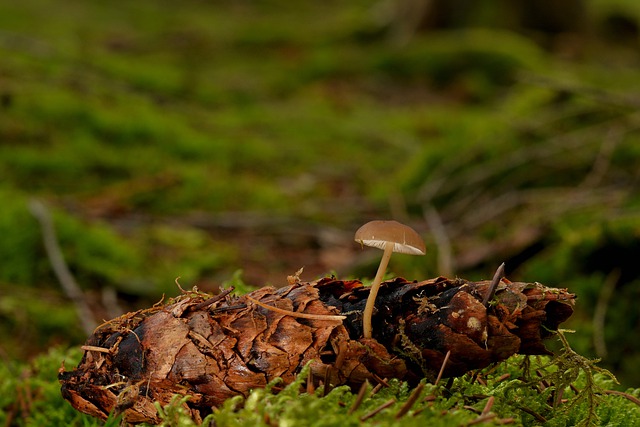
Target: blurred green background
point(229, 141)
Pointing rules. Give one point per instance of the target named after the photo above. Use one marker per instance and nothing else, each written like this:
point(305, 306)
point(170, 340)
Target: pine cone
point(216, 347)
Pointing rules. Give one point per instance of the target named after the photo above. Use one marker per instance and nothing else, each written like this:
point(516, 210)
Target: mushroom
point(391, 236)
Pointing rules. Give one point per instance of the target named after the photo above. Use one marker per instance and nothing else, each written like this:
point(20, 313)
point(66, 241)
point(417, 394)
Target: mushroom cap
point(404, 238)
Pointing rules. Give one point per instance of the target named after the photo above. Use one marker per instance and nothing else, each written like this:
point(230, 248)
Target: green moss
point(133, 118)
point(19, 245)
point(524, 389)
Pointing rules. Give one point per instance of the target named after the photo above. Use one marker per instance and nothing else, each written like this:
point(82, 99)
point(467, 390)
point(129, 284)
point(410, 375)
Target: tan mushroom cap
point(378, 233)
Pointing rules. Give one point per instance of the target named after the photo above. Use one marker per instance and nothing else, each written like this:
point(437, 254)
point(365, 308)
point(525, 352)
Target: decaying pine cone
point(213, 348)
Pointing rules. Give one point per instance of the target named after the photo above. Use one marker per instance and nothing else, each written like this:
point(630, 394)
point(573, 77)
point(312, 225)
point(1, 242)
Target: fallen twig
point(60, 268)
point(444, 364)
point(359, 398)
point(488, 406)
point(627, 396)
point(410, 401)
point(378, 409)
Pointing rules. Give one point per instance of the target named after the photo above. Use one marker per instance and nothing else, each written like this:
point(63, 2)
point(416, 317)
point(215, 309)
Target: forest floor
point(242, 142)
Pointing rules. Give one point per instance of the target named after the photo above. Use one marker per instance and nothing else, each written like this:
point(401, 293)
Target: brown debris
point(213, 348)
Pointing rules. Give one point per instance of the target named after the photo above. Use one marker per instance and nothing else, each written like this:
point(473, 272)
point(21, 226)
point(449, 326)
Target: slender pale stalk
point(296, 313)
point(368, 309)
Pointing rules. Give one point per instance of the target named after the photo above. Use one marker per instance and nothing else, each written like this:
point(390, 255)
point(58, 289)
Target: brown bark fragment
point(216, 347)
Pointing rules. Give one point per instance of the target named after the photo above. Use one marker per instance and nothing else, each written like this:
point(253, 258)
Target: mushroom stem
point(368, 309)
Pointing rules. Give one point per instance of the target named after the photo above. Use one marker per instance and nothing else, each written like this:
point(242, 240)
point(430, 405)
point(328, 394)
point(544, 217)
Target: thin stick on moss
point(310, 387)
point(533, 413)
point(502, 378)
point(410, 401)
point(60, 268)
point(488, 406)
point(377, 388)
point(481, 419)
point(379, 409)
point(444, 364)
point(359, 398)
point(625, 395)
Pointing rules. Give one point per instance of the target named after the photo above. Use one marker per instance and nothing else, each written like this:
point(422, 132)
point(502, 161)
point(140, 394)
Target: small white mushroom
point(391, 236)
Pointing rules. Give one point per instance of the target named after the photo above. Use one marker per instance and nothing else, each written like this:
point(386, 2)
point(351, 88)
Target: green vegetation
point(198, 139)
point(567, 390)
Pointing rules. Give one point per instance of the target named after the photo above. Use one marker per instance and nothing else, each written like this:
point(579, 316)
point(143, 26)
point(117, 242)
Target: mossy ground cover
point(566, 390)
point(194, 140)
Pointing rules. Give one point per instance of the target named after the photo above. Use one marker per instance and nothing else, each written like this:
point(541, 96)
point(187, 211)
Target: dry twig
point(60, 268)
